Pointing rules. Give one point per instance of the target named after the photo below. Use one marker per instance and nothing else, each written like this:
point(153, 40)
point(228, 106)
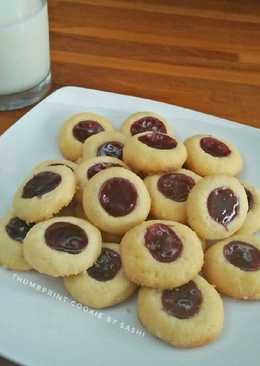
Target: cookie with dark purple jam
point(210, 155)
point(161, 254)
point(169, 193)
point(104, 144)
point(217, 207)
point(116, 200)
point(104, 284)
point(154, 152)
point(62, 246)
point(44, 193)
point(190, 315)
point(145, 121)
point(78, 129)
point(233, 266)
point(13, 231)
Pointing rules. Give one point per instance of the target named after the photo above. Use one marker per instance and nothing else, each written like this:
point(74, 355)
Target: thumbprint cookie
point(208, 155)
point(145, 121)
point(191, 315)
point(104, 144)
point(169, 193)
point(62, 246)
point(233, 266)
point(153, 152)
point(13, 231)
point(161, 254)
point(115, 200)
point(77, 129)
point(44, 193)
point(217, 207)
point(104, 284)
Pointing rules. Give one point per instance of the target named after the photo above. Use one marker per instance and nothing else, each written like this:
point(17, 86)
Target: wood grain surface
point(202, 54)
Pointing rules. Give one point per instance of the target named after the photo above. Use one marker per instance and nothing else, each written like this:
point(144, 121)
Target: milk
point(24, 45)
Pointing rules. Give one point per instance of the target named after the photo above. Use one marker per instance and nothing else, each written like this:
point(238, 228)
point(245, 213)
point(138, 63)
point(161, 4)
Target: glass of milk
point(24, 53)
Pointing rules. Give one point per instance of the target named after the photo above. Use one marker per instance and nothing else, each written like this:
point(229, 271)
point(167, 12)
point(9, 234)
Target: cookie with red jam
point(62, 246)
point(209, 155)
point(217, 207)
point(169, 193)
point(110, 143)
point(115, 200)
point(161, 254)
point(44, 193)
point(13, 231)
point(104, 284)
point(153, 152)
point(188, 316)
point(145, 121)
point(233, 267)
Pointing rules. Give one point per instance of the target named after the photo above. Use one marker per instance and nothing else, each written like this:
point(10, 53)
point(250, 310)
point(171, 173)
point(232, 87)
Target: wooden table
point(202, 54)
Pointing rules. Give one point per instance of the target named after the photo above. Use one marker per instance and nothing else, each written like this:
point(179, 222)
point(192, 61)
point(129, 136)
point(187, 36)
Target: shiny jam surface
point(182, 302)
point(163, 243)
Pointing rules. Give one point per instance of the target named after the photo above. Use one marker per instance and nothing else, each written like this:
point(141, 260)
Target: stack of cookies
point(138, 208)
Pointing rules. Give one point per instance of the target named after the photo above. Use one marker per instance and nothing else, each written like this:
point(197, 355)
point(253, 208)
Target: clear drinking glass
point(25, 75)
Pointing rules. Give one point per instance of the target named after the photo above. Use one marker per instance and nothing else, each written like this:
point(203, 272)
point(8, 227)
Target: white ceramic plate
point(39, 325)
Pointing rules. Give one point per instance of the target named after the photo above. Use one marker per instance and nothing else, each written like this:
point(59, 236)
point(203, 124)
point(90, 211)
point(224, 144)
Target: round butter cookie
point(104, 284)
point(12, 233)
point(104, 144)
point(153, 152)
point(169, 193)
point(77, 129)
point(217, 207)
point(233, 266)
point(208, 155)
point(252, 221)
point(191, 315)
point(44, 193)
point(62, 246)
point(161, 254)
point(115, 200)
point(145, 121)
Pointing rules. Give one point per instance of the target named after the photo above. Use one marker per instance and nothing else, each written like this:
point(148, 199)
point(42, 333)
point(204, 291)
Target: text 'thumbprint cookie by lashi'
point(161, 254)
point(104, 284)
point(12, 233)
point(153, 152)
point(88, 168)
point(169, 193)
point(62, 246)
point(77, 129)
point(233, 266)
point(252, 221)
point(145, 121)
point(191, 315)
point(217, 207)
point(110, 143)
point(115, 200)
point(208, 155)
point(44, 193)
